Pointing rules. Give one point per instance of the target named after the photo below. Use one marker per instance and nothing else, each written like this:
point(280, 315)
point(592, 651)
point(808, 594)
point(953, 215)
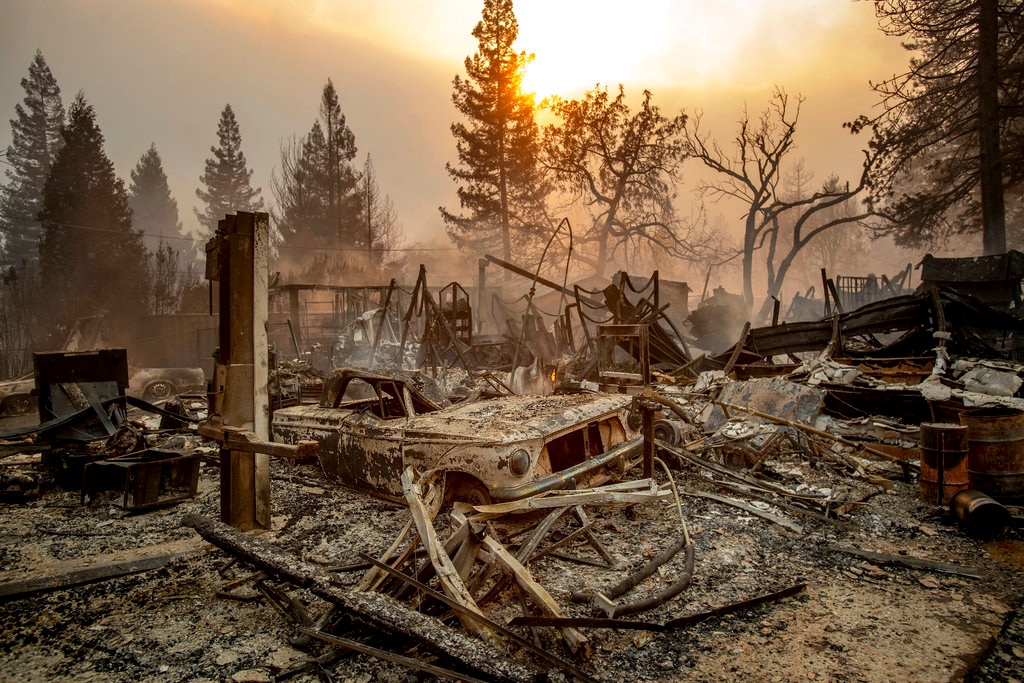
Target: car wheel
point(19, 404)
point(158, 391)
point(467, 489)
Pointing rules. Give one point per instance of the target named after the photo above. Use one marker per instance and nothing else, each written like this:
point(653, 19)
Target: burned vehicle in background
point(371, 427)
point(16, 396)
point(154, 385)
point(160, 384)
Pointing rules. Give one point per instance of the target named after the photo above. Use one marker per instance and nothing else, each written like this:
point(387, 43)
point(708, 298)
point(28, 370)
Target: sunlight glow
point(694, 45)
point(687, 43)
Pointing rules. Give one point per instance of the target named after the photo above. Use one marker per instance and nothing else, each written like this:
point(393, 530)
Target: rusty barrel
point(979, 515)
point(944, 448)
point(996, 451)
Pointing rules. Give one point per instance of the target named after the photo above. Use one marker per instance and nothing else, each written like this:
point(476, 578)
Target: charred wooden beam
point(912, 562)
point(672, 624)
point(498, 628)
point(377, 611)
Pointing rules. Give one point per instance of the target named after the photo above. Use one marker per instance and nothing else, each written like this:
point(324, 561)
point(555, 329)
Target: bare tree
point(383, 231)
point(623, 165)
point(752, 176)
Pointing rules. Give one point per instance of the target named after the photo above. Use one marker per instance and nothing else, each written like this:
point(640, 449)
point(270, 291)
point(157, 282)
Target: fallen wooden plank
point(373, 577)
point(408, 662)
point(691, 619)
point(445, 569)
point(377, 611)
point(102, 571)
point(573, 638)
point(912, 562)
point(505, 633)
point(670, 625)
point(591, 538)
point(572, 499)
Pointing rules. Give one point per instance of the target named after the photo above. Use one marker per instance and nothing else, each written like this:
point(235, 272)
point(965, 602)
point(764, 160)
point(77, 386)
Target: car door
point(371, 446)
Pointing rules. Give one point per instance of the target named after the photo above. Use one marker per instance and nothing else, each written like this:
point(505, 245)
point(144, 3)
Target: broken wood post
point(647, 410)
point(737, 350)
point(243, 501)
point(825, 291)
point(383, 320)
point(381, 612)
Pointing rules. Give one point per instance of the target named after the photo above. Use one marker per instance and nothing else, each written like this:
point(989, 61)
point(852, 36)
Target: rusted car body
point(371, 427)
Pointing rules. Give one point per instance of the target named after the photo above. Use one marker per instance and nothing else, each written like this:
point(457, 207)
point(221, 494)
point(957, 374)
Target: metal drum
point(996, 460)
point(943, 461)
point(980, 516)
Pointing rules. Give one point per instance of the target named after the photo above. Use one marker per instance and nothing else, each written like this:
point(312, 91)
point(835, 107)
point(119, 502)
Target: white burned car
point(371, 427)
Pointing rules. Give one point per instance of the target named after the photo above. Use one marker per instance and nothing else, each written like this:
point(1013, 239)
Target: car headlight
point(519, 463)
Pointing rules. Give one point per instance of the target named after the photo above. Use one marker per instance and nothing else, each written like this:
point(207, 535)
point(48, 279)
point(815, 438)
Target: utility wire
point(203, 240)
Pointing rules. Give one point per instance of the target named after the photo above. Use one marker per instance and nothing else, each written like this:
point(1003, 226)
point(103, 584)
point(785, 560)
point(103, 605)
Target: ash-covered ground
point(196, 618)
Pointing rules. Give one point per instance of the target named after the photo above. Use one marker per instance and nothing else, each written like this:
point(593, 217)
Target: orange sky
point(162, 71)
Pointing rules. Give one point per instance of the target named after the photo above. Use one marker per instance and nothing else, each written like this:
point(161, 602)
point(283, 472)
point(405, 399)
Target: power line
point(197, 240)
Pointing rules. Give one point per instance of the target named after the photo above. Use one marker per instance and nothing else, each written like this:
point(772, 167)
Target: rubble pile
point(834, 500)
point(790, 531)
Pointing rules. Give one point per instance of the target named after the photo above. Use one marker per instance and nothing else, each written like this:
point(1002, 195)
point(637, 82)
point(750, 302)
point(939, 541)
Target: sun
point(573, 50)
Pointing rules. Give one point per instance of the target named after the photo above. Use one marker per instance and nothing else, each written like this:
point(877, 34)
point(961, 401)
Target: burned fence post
point(648, 409)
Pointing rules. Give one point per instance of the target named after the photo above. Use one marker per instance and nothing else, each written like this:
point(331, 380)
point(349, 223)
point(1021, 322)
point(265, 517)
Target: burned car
point(150, 384)
point(371, 427)
point(16, 396)
point(160, 384)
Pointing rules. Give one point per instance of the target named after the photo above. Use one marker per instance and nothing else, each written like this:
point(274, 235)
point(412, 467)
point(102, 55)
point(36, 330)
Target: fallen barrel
point(995, 462)
point(980, 516)
point(944, 449)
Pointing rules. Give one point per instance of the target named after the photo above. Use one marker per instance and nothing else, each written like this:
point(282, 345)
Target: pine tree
point(227, 181)
point(339, 178)
point(154, 210)
point(501, 187)
point(35, 140)
point(948, 131)
point(317, 192)
point(90, 257)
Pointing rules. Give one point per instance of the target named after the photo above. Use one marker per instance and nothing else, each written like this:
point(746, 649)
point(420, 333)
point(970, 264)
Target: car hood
point(512, 418)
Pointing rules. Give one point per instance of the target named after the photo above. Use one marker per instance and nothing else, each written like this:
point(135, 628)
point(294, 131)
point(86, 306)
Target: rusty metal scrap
point(143, 481)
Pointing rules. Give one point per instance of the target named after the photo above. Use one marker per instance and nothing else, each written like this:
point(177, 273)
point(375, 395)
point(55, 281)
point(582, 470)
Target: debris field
point(824, 500)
